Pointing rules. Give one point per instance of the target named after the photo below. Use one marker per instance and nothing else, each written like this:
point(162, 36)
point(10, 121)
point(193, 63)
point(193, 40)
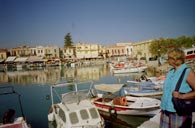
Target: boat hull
point(125, 110)
point(129, 70)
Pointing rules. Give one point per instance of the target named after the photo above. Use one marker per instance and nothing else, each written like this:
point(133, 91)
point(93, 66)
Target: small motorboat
point(75, 109)
point(151, 86)
point(112, 102)
point(10, 119)
point(130, 70)
point(143, 89)
point(158, 80)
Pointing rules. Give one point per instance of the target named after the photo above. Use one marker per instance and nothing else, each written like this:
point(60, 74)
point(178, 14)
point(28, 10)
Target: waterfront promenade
point(154, 122)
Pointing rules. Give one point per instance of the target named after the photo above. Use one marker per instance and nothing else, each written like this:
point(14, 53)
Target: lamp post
point(159, 57)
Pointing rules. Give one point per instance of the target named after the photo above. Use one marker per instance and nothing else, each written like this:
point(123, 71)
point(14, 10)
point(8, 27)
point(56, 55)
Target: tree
point(68, 40)
point(162, 45)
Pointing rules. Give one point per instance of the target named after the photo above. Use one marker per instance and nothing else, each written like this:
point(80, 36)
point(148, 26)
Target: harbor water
point(34, 87)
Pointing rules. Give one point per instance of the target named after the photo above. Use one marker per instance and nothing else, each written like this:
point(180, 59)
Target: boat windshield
point(74, 96)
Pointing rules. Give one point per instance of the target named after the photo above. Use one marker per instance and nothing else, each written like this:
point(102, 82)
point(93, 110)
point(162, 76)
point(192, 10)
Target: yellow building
point(86, 50)
point(3, 54)
point(140, 50)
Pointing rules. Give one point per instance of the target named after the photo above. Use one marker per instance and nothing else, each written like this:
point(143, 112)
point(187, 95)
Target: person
point(169, 117)
point(122, 91)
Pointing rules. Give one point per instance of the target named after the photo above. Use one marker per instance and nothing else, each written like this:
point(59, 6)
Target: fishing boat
point(74, 109)
point(12, 118)
point(111, 101)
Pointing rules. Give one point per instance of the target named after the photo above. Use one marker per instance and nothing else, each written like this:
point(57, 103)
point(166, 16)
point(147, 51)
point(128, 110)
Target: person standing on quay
point(169, 117)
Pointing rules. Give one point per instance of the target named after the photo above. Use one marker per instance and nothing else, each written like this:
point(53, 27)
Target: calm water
point(34, 87)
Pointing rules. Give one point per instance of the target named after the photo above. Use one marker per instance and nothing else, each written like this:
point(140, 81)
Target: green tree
point(163, 45)
point(193, 41)
point(185, 42)
point(68, 40)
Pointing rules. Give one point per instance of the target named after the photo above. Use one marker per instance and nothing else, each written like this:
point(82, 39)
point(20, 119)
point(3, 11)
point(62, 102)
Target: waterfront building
point(86, 50)
point(80, 50)
point(3, 55)
point(52, 52)
point(141, 51)
point(102, 51)
point(128, 47)
point(114, 50)
point(20, 51)
point(69, 52)
point(39, 51)
point(26, 56)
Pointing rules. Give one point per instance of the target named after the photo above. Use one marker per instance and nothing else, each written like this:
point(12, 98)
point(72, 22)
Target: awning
point(35, 59)
point(10, 59)
point(21, 59)
point(109, 87)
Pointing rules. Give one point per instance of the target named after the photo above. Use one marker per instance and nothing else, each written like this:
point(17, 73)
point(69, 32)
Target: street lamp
point(159, 57)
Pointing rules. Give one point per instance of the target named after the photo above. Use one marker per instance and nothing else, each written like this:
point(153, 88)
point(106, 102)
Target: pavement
point(154, 122)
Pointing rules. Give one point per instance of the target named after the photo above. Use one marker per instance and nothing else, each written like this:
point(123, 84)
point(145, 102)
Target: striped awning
point(10, 59)
point(21, 59)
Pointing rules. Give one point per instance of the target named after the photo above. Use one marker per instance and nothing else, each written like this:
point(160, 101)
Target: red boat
point(128, 105)
point(190, 53)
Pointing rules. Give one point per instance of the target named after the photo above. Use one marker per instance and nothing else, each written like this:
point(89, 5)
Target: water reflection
point(122, 121)
point(51, 75)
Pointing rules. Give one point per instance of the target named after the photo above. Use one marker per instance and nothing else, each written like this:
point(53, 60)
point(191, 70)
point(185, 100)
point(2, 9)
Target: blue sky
point(106, 22)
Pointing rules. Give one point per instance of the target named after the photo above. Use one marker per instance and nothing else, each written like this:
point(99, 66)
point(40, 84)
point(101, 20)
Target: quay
point(154, 122)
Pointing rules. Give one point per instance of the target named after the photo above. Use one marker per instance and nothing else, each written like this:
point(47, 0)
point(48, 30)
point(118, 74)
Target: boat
point(144, 88)
point(190, 54)
point(123, 121)
point(158, 81)
point(130, 69)
point(143, 93)
point(12, 118)
point(75, 109)
point(127, 67)
point(109, 100)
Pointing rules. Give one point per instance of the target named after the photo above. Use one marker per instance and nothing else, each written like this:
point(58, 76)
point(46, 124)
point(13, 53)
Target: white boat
point(144, 87)
point(127, 105)
point(143, 80)
point(74, 109)
point(130, 69)
point(144, 93)
point(9, 120)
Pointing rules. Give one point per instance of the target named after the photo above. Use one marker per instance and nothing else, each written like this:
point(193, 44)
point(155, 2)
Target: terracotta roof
point(3, 50)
